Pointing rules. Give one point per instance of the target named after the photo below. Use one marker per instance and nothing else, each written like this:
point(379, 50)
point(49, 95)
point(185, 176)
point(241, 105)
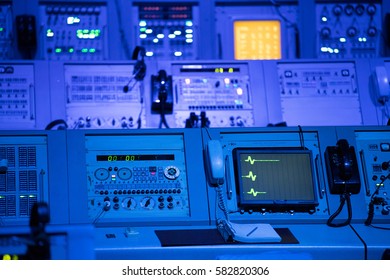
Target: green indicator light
point(84, 50)
point(58, 50)
point(142, 29)
point(92, 50)
point(1, 29)
point(71, 50)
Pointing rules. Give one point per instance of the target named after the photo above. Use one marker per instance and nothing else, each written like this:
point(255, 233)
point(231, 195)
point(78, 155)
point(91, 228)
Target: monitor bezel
point(301, 205)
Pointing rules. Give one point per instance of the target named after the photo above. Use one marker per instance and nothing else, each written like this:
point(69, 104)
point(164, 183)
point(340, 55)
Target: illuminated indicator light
point(142, 29)
point(187, 81)
point(230, 70)
point(364, 39)
point(336, 51)
point(49, 33)
point(330, 50)
point(6, 257)
point(71, 50)
point(155, 40)
point(171, 36)
point(92, 50)
point(205, 81)
point(239, 91)
point(149, 54)
point(142, 36)
point(58, 50)
point(177, 32)
point(149, 31)
point(324, 19)
point(72, 20)
point(31, 196)
point(84, 50)
point(1, 29)
point(160, 36)
point(142, 23)
point(189, 31)
point(177, 53)
point(189, 41)
point(343, 40)
point(113, 177)
point(189, 23)
point(227, 81)
point(324, 49)
point(189, 36)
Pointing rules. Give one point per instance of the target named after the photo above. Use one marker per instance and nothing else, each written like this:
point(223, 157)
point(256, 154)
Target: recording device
point(139, 70)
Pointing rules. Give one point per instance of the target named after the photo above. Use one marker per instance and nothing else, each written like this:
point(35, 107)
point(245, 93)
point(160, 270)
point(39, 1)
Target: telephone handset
point(215, 163)
point(381, 86)
point(342, 169)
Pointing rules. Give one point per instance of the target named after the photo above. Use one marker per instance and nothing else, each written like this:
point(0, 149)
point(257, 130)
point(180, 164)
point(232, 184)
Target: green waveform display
point(250, 176)
point(252, 161)
point(255, 193)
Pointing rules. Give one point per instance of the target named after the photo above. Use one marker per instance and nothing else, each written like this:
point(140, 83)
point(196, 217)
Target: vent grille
point(7, 206)
point(25, 204)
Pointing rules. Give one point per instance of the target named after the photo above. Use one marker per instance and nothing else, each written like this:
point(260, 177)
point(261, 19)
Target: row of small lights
point(342, 40)
point(146, 31)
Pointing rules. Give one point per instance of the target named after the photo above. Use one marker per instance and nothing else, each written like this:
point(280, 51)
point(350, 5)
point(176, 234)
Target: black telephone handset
point(342, 169)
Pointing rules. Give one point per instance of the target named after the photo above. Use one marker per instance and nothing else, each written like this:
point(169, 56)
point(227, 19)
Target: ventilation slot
point(32, 157)
point(7, 206)
point(9, 154)
point(22, 156)
point(25, 203)
point(11, 181)
point(7, 182)
point(2, 182)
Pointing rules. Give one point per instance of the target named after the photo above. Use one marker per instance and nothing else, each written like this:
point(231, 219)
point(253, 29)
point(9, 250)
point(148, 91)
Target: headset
point(139, 70)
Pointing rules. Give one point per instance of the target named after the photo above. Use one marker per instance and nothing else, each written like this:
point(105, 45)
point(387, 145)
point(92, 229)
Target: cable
point(345, 197)
point(301, 137)
point(375, 201)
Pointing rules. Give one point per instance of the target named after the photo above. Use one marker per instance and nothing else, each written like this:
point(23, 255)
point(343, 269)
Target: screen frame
point(268, 205)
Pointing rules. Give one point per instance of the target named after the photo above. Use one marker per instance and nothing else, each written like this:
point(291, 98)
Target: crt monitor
point(257, 39)
point(275, 179)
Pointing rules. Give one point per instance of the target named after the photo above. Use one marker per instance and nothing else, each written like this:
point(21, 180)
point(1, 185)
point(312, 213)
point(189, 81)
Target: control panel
point(6, 32)
point(374, 150)
point(23, 176)
point(327, 93)
point(221, 91)
point(348, 30)
point(17, 95)
point(96, 97)
point(167, 30)
point(130, 178)
point(74, 31)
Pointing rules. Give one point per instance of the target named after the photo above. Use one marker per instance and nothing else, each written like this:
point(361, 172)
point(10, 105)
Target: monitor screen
point(274, 179)
point(257, 39)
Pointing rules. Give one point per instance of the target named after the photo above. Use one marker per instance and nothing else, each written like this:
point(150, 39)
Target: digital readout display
point(130, 157)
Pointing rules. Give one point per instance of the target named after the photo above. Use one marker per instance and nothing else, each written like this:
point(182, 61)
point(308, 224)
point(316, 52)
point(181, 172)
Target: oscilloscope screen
point(275, 179)
point(257, 39)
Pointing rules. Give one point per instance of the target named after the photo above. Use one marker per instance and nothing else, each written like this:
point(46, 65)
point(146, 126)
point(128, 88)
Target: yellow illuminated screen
point(257, 39)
